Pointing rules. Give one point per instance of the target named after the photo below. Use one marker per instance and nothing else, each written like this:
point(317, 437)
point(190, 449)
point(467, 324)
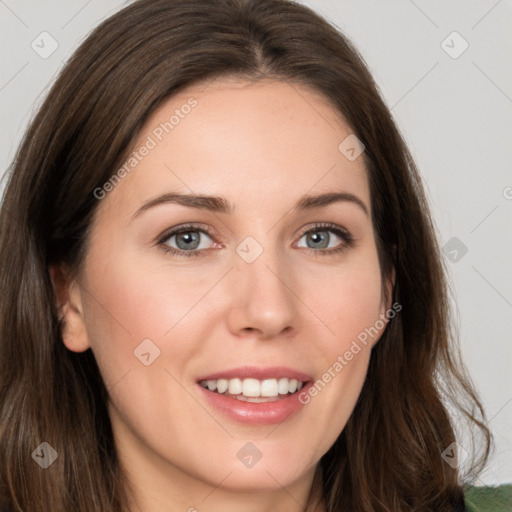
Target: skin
point(262, 146)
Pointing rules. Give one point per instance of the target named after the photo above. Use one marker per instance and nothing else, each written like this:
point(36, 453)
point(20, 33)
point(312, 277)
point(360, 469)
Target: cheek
point(128, 303)
point(349, 304)
point(348, 301)
point(141, 314)
point(140, 291)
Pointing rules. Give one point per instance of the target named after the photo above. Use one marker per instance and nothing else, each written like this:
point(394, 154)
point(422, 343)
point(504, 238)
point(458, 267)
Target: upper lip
point(260, 373)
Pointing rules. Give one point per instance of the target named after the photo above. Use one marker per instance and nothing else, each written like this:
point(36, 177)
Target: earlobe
point(69, 307)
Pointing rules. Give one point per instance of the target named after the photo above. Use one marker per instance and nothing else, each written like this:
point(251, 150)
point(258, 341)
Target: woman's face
point(264, 285)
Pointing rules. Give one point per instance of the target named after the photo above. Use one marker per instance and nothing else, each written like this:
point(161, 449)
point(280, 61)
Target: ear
point(390, 285)
point(387, 292)
point(386, 302)
point(68, 296)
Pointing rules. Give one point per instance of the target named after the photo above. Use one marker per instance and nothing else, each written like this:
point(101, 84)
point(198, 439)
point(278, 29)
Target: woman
point(221, 285)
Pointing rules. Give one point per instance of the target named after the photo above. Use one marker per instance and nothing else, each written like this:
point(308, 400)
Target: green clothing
point(489, 499)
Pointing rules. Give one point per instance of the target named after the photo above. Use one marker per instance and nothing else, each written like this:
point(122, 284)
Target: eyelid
point(183, 228)
point(318, 226)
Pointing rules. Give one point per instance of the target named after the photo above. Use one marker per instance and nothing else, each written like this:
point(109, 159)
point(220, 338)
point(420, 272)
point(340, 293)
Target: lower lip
point(250, 413)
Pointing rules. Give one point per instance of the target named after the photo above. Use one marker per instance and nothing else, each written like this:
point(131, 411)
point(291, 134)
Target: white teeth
point(254, 388)
point(234, 386)
point(222, 385)
point(269, 387)
point(292, 386)
point(282, 386)
point(251, 387)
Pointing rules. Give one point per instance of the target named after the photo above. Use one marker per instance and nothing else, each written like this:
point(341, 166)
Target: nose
point(263, 298)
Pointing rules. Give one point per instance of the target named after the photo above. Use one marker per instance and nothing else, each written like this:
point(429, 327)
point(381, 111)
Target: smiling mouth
point(254, 390)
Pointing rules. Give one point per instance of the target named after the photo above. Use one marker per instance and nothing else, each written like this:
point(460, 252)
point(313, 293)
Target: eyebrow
point(218, 204)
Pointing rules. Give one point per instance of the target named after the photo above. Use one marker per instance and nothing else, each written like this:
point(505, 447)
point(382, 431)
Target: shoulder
point(489, 499)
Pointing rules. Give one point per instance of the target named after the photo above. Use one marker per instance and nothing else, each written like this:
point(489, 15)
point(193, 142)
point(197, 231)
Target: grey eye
point(320, 239)
point(187, 240)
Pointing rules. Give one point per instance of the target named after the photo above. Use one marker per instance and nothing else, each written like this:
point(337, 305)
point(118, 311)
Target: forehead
point(257, 143)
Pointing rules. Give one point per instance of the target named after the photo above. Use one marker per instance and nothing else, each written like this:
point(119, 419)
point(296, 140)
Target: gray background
point(454, 111)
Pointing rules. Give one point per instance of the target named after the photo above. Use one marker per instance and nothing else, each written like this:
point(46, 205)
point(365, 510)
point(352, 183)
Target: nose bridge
point(263, 299)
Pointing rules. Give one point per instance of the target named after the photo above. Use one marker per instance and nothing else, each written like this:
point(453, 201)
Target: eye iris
point(320, 238)
point(189, 238)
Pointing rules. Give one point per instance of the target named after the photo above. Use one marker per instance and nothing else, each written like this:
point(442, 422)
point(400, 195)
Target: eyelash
point(348, 240)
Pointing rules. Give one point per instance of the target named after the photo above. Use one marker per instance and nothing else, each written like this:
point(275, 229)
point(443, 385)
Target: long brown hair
point(389, 455)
